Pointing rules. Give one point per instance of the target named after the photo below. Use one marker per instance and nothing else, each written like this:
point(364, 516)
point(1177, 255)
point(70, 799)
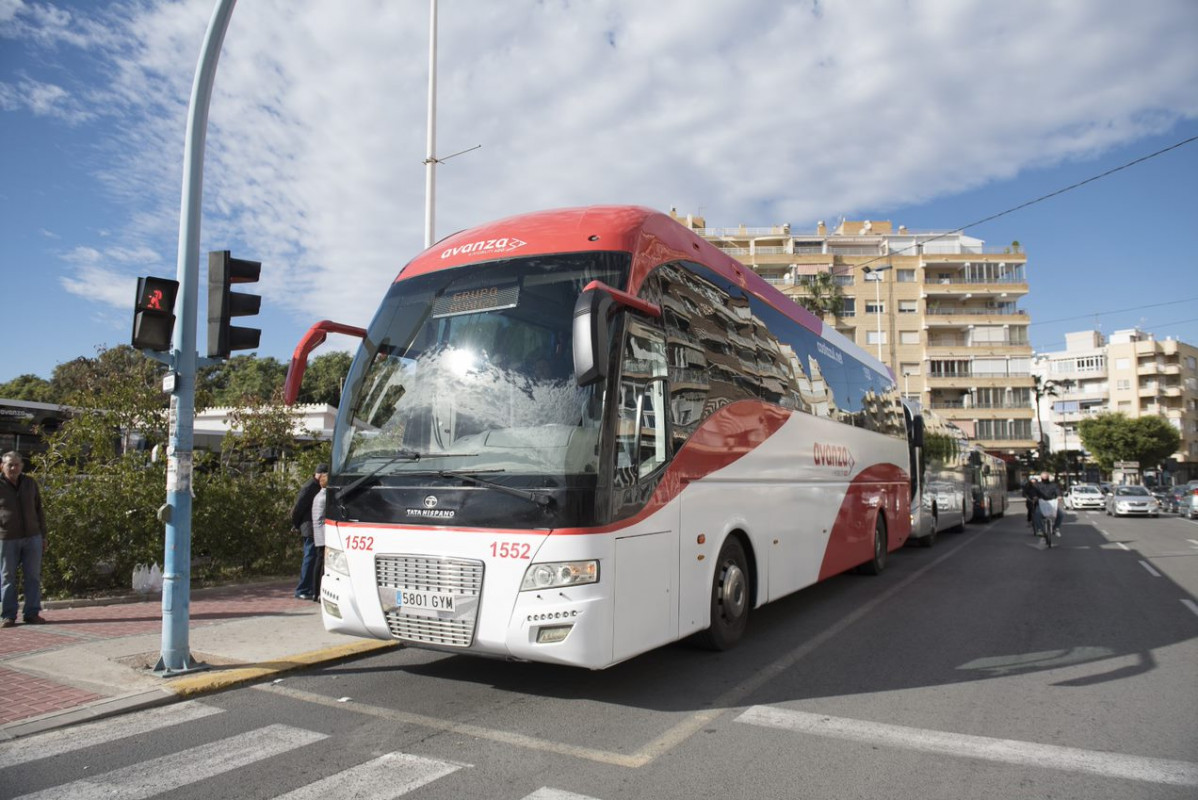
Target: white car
point(1084, 495)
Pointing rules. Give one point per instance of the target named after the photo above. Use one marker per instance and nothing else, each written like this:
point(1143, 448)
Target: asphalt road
point(985, 667)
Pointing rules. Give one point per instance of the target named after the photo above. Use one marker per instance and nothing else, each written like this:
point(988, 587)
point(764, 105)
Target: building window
point(1123, 385)
point(871, 337)
point(873, 307)
point(908, 337)
point(909, 368)
point(1122, 363)
point(908, 306)
point(905, 275)
point(848, 307)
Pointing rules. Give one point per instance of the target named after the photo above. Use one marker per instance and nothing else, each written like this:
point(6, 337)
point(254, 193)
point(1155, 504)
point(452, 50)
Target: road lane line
point(1193, 542)
point(1151, 571)
point(476, 731)
point(1006, 751)
point(1190, 604)
point(384, 778)
point(1125, 547)
point(158, 775)
point(545, 793)
point(672, 737)
point(55, 743)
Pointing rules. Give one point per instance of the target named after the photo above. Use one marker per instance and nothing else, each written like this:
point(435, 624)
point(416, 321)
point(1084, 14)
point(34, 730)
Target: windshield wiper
point(542, 500)
point(400, 455)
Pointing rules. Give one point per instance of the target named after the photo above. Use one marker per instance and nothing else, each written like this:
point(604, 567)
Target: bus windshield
point(471, 370)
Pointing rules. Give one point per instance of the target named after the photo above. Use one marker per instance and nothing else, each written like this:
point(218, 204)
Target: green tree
point(1113, 437)
point(823, 295)
point(28, 387)
point(239, 380)
point(324, 378)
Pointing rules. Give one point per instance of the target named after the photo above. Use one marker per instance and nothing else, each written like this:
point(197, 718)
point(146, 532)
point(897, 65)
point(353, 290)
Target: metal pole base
point(191, 665)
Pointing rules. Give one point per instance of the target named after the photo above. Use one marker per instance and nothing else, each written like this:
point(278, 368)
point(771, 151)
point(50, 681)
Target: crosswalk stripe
point(158, 775)
point(55, 743)
point(545, 793)
point(384, 778)
point(1007, 751)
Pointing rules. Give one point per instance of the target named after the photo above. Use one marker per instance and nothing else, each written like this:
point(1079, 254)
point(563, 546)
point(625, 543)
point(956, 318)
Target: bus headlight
point(335, 560)
point(560, 573)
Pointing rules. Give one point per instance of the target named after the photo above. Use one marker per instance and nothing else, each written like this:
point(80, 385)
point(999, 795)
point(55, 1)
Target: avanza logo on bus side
point(836, 456)
point(504, 245)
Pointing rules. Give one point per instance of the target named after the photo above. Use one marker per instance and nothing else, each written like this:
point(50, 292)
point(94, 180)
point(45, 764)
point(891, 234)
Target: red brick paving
point(23, 696)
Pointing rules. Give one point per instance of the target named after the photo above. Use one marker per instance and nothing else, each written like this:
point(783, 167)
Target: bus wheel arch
point(733, 586)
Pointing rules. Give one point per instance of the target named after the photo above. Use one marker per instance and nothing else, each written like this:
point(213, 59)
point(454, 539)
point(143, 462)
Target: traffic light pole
point(176, 579)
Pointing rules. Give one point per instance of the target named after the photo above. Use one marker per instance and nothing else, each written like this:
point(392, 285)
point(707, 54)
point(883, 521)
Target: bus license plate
point(423, 603)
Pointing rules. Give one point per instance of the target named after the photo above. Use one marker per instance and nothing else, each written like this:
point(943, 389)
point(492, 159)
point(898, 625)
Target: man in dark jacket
point(301, 520)
point(22, 541)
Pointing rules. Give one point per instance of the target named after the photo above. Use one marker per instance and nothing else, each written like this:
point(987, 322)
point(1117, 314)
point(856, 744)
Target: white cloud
point(106, 286)
point(786, 112)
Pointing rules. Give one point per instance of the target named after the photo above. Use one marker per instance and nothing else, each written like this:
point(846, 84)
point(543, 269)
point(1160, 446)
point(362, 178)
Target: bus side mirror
point(591, 313)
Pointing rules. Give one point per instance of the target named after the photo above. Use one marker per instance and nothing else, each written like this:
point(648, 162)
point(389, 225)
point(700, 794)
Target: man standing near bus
point(22, 541)
point(301, 521)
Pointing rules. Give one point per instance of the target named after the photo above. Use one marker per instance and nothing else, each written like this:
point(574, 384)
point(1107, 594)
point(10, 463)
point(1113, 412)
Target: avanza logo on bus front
point(834, 456)
point(503, 245)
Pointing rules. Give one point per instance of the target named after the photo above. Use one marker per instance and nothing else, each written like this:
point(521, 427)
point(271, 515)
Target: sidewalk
point(95, 660)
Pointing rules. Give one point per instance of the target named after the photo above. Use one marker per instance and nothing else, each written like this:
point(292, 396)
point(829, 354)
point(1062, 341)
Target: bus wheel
point(878, 563)
point(930, 539)
point(729, 597)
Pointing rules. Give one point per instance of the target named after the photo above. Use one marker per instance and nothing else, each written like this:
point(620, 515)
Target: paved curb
point(219, 679)
point(187, 687)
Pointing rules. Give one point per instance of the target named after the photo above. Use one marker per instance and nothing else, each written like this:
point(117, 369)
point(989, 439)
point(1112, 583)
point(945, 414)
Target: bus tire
point(730, 598)
point(878, 563)
point(930, 539)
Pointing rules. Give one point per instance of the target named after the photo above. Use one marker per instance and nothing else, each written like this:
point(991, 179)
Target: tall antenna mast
point(430, 161)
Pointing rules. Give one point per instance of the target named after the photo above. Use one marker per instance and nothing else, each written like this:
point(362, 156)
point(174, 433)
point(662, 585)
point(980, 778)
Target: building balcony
point(1007, 444)
point(979, 380)
point(967, 289)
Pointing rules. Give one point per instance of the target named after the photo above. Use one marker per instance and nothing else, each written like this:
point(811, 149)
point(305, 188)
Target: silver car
point(1132, 501)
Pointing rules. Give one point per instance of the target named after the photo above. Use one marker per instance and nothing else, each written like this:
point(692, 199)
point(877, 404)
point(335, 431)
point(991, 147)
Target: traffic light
point(223, 271)
point(154, 313)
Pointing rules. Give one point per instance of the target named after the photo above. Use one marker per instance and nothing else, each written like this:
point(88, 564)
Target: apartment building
point(939, 308)
point(1132, 373)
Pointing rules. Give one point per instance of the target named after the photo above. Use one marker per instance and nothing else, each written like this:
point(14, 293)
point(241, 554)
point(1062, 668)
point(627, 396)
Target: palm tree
point(1042, 388)
point(823, 295)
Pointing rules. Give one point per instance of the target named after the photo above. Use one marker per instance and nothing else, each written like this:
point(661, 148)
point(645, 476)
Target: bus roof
point(652, 237)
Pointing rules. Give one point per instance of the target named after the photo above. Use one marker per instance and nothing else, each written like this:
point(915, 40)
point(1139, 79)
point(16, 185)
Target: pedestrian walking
point(22, 541)
point(301, 521)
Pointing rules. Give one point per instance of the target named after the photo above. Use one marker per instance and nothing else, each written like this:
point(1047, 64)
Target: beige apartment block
point(1131, 372)
point(938, 308)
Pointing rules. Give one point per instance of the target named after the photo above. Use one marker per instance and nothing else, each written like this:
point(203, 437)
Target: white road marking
point(1007, 751)
point(1125, 547)
point(384, 778)
point(1151, 571)
point(1193, 542)
point(672, 737)
point(1190, 604)
point(55, 743)
point(1104, 533)
point(163, 774)
point(556, 794)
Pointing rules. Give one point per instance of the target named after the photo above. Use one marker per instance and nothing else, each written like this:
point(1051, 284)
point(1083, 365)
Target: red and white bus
point(576, 435)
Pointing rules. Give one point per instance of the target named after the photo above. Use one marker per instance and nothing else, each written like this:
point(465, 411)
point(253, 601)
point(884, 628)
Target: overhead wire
point(1024, 205)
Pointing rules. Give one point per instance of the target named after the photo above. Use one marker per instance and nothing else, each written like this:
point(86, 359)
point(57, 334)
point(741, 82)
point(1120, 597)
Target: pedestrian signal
point(154, 313)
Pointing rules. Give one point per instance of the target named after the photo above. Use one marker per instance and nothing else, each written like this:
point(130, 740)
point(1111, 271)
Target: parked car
point(1173, 500)
point(1131, 501)
point(1187, 503)
point(1083, 495)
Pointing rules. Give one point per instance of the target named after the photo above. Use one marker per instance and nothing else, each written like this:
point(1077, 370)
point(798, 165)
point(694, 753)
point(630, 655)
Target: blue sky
point(930, 113)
